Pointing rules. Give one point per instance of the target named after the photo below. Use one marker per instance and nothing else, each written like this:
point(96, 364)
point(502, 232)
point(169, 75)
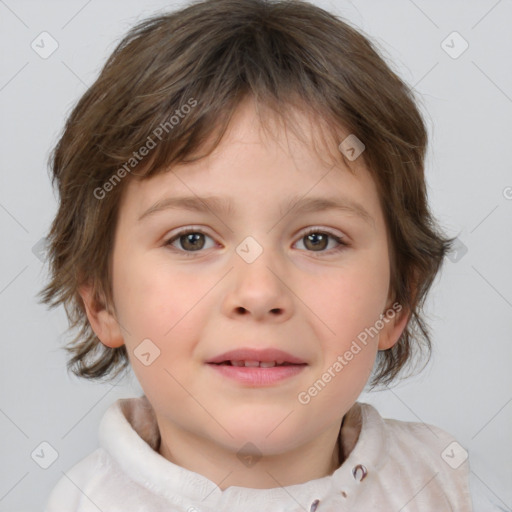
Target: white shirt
point(392, 466)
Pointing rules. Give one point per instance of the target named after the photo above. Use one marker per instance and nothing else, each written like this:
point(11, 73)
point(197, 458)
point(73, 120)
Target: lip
point(262, 355)
point(257, 376)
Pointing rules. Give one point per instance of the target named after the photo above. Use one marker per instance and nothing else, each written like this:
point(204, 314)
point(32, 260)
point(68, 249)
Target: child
point(243, 222)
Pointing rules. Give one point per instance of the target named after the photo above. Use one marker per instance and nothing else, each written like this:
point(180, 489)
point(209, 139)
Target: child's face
point(299, 295)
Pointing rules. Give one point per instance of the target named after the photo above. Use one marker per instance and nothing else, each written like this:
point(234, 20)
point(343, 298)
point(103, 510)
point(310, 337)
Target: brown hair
point(211, 55)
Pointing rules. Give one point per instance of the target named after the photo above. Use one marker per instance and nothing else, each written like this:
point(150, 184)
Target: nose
point(259, 291)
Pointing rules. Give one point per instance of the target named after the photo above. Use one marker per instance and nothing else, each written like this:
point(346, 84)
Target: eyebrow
point(219, 205)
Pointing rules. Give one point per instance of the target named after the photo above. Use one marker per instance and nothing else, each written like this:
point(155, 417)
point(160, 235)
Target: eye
point(317, 240)
point(190, 240)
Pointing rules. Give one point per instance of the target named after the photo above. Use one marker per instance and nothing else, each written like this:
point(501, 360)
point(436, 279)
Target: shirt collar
point(129, 433)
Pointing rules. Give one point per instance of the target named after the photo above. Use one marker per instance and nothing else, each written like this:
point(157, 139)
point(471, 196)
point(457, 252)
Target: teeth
point(255, 364)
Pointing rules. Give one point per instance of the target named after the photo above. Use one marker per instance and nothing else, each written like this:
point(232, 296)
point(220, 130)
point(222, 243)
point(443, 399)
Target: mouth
point(256, 364)
point(252, 358)
point(257, 368)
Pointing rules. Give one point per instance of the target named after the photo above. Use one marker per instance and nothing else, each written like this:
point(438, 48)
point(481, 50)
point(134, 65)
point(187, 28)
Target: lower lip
point(257, 376)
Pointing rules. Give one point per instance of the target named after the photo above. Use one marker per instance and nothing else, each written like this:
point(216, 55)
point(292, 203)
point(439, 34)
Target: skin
point(306, 299)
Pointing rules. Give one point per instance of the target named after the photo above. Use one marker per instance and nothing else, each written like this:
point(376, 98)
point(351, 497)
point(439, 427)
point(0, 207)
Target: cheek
point(351, 309)
point(354, 297)
point(146, 290)
point(161, 305)
point(161, 309)
point(146, 302)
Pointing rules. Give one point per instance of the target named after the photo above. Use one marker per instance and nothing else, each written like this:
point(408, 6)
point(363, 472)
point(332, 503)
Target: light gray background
point(466, 389)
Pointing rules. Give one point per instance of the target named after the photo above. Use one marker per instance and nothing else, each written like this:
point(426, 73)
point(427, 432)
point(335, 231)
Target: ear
point(103, 322)
point(394, 325)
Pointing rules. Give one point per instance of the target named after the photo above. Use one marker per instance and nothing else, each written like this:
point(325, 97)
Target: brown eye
point(192, 241)
point(188, 241)
point(317, 240)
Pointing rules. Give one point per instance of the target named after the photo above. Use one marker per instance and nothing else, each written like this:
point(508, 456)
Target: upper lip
point(261, 355)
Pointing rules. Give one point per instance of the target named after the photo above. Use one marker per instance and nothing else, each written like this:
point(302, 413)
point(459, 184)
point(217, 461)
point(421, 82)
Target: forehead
point(297, 132)
point(262, 157)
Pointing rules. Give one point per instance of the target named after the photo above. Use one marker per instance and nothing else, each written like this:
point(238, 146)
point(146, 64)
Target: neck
point(226, 468)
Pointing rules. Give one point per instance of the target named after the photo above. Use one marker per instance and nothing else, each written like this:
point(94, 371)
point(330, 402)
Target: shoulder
point(433, 444)
point(72, 486)
point(109, 475)
point(419, 434)
point(408, 434)
point(425, 455)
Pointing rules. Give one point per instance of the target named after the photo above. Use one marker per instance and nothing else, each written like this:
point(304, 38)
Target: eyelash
point(342, 245)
